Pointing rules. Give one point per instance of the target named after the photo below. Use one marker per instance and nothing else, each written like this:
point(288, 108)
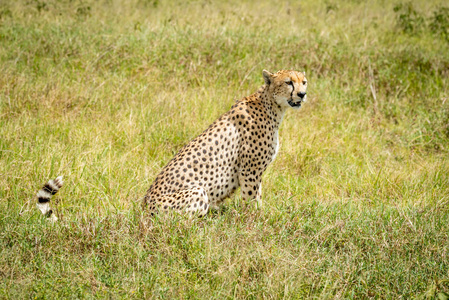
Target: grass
point(106, 92)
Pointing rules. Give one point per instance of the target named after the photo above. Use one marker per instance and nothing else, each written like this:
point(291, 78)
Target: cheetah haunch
point(234, 151)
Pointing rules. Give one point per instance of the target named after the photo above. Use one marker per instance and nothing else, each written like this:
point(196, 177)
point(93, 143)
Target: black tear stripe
point(43, 199)
point(48, 188)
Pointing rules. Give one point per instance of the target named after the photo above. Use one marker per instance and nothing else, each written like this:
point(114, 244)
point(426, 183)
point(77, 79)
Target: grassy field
point(356, 204)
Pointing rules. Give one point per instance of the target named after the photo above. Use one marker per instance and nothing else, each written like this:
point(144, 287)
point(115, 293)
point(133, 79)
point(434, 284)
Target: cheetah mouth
point(293, 104)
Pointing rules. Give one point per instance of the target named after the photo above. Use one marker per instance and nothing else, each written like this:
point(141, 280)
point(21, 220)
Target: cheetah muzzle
point(233, 152)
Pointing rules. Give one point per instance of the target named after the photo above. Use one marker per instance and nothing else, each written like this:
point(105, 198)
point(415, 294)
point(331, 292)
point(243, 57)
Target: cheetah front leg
point(251, 187)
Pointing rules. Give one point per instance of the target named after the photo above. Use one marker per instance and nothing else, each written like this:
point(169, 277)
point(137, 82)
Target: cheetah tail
point(44, 195)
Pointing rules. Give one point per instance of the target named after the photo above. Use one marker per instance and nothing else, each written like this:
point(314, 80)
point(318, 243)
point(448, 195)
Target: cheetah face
point(287, 87)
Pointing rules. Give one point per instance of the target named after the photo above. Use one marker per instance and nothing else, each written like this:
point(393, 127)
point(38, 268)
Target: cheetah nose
point(301, 94)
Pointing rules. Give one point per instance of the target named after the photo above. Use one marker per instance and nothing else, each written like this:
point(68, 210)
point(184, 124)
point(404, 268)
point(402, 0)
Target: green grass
point(106, 92)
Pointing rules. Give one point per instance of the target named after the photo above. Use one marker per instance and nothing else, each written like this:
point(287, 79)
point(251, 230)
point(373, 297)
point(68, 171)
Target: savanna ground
point(106, 92)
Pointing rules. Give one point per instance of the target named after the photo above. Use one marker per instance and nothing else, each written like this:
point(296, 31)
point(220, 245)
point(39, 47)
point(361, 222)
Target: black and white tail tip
point(44, 195)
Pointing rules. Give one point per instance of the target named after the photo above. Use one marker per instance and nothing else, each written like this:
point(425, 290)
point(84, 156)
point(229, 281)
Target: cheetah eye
point(289, 82)
point(304, 82)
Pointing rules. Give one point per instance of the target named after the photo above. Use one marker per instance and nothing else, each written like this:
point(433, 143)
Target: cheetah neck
point(274, 110)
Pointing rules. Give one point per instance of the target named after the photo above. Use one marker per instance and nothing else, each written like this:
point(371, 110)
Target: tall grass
point(106, 92)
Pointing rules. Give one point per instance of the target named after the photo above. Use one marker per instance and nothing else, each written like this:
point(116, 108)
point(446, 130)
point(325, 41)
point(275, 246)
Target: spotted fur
point(234, 151)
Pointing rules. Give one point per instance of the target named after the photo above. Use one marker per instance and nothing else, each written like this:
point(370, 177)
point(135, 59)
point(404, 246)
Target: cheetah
point(234, 151)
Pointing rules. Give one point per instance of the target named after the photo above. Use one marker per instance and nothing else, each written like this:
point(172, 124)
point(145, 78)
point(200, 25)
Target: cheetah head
point(287, 87)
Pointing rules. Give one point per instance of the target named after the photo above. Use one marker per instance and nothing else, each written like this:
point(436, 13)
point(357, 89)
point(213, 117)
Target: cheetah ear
point(267, 76)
